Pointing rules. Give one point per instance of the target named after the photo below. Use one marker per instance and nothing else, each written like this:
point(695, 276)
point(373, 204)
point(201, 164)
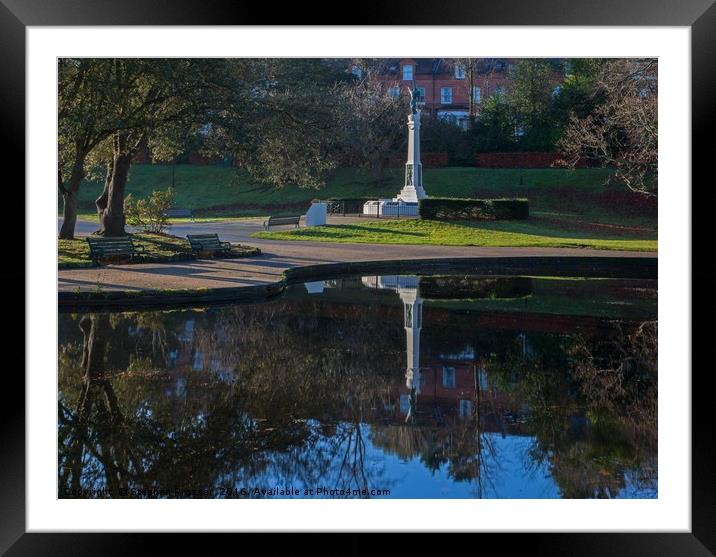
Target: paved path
point(277, 257)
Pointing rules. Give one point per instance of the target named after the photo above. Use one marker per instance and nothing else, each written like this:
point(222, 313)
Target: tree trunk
point(110, 204)
point(69, 216)
point(101, 201)
point(94, 346)
point(69, 198)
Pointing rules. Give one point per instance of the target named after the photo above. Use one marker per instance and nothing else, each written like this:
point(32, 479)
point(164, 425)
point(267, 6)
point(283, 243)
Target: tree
point(371, 125)
point(531, 99)
point(82, 125)
point(151, 102)
point(622, 130)
point(280, 120)
point(469, 67)
point(494, 131)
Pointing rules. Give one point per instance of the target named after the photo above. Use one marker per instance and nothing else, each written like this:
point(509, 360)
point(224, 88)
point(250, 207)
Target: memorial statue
point(413, 100)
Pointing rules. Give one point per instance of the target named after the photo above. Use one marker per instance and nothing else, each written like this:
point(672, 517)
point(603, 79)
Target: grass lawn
point(176, 220)
point(534, 232)
point(159, 248)
point(218, 191)
point(567, 207)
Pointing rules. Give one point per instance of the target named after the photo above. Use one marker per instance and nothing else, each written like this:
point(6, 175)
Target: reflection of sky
point(507, 472)
point(504, 476)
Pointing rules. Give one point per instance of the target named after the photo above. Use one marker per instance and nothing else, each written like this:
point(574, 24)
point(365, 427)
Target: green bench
point(273, 221)
point(208, 242)
point(102, 247)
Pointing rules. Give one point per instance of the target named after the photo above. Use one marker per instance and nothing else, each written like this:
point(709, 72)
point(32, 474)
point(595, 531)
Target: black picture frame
point(699, 15)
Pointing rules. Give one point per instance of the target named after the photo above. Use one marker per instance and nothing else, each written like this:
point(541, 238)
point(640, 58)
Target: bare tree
point(622, 131)
point(372, 124)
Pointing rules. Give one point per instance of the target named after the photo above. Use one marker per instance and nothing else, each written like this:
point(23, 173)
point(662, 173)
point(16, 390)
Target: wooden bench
point(273, 221)
point(180, 213)
point(208, 242)
point(122, 246)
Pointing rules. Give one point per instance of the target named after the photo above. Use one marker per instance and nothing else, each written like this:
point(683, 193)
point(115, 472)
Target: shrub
point(453, 208)
point(150, 214)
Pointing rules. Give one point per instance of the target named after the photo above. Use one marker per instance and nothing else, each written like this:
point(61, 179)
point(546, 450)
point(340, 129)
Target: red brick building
point(447, 89)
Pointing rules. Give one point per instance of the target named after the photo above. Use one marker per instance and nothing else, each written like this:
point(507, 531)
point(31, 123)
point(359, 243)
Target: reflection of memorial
point(408, 288)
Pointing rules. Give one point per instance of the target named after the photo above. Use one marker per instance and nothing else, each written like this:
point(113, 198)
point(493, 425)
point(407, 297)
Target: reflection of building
point(447, 385)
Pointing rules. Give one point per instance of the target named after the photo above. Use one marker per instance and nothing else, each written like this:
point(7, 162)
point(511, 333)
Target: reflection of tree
point(596, 425)
point(217, 433)
point(302, 393)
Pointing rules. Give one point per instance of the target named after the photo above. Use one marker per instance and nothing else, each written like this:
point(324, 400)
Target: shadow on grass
point(546, 227)
point(343, 230)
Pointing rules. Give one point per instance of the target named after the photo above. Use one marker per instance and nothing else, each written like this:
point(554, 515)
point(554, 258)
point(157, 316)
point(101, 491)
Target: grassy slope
point(567, 208)
point(517, 234)
point(201, 187)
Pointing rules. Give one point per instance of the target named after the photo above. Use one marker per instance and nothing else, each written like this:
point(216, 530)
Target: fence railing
point(379, 208)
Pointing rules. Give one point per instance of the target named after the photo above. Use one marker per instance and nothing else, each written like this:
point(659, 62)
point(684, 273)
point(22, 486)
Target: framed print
point(403, 275)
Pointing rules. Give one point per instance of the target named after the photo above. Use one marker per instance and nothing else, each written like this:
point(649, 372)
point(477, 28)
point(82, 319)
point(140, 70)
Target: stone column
point(413, 188)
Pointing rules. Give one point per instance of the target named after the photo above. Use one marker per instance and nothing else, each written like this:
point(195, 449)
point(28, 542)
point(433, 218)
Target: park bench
point(274, 221)
point(180, 213)
point(103, 247)
point(208, 242)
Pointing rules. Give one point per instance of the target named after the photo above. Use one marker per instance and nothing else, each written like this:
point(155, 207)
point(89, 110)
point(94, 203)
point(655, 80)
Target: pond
point(443, 386)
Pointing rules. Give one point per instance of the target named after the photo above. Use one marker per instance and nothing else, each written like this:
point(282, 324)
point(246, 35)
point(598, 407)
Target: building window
point(356, 71)
point(421, 94)
point(476, 94)
point(446, 95)
point(499, 92)
point(449, 377)
point(459, 71)
point(407, 72)
point(394, 92)
point(465, 408)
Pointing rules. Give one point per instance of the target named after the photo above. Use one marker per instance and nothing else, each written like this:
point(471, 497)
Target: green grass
point(159, 248)
point(218, 191)
point(499, 233)
point(178, 220)
point(567, 207)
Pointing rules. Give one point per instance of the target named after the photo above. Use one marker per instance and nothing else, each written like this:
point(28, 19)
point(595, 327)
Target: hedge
point(474, 288)
point(453, 208)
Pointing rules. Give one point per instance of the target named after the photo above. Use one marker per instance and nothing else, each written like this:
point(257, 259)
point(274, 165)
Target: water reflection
point(416, 386)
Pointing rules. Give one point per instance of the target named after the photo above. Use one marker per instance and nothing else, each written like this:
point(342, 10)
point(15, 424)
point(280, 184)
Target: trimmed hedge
point(474, 288)
point(453, 208)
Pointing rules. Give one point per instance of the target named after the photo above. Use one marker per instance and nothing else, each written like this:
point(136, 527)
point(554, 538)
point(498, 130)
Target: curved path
point(277, 257)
